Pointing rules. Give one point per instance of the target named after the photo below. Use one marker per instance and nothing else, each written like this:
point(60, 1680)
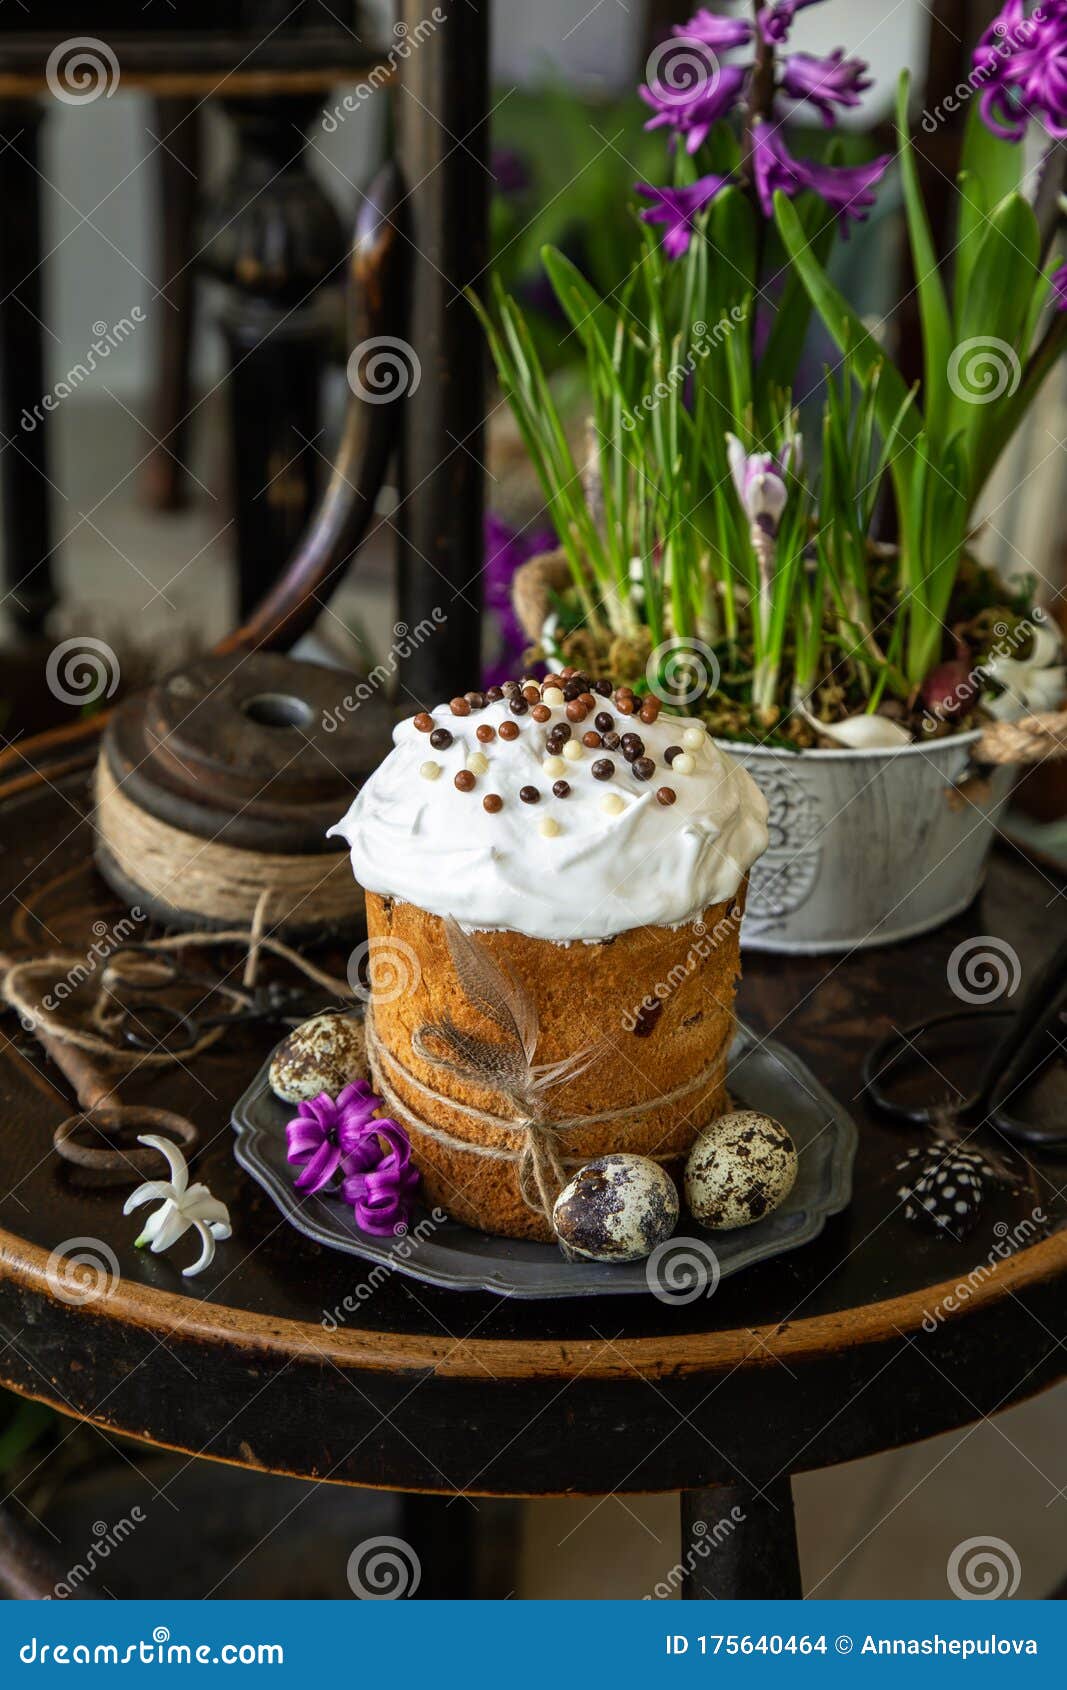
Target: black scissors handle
point(1015, 1057)
point(883, 1061)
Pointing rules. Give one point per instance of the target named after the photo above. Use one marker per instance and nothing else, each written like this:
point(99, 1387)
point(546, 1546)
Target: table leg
point(441, 1531)
point(739, 1541)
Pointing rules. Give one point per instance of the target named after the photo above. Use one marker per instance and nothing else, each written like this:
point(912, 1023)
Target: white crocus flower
point(1031, 684)
point(181, 1206)
point(760, 487)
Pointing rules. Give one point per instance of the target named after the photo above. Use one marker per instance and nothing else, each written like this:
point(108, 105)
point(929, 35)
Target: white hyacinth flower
point(182, 1206)
point(1031, 684)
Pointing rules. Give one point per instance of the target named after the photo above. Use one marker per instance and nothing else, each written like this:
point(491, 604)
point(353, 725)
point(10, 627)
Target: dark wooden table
point(287, 1358)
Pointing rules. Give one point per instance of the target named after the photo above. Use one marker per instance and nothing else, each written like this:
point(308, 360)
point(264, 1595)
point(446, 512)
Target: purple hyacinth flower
point(695, 113)
point(1059, 287)
point(847, 189)
point(379, 1175)
point(1020, 64)
point(315, 1138)
point(776, 21)
point(678, 209)
point(825, 83)
point(719, 33)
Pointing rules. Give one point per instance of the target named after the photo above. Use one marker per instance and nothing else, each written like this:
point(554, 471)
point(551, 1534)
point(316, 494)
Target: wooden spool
point(221, 781)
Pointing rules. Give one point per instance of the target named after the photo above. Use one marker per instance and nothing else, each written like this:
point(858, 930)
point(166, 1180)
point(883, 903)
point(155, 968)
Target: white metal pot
point(866, 847)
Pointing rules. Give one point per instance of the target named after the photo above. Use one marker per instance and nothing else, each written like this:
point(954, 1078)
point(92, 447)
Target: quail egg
point(323, 1054)
point(615, 1209)
point(741, 1168)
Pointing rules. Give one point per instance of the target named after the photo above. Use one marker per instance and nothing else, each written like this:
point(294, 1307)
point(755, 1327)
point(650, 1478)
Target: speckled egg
point(615, 1209)
point(741, 1168)
point(324, 1054)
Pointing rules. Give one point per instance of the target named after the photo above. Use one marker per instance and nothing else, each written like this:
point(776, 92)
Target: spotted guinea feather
point(492, 990)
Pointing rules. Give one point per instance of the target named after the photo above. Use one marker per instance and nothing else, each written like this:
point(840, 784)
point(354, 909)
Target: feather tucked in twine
point(509, 1067)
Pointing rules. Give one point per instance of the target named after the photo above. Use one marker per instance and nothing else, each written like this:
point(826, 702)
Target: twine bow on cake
point(508, 1068)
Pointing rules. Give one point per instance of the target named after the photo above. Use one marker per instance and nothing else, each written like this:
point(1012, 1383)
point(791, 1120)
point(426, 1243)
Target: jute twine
point(1029, 740)
point(538, 1149)
point(21, 986)
point(217, 882)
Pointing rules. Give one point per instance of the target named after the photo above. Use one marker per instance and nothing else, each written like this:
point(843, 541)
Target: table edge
point(168, 1315)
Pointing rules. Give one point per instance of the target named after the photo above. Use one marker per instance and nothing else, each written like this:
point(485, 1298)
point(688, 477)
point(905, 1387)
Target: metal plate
point(763, 1075)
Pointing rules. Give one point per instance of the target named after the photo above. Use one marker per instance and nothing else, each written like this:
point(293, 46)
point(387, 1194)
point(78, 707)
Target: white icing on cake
point(426, 843)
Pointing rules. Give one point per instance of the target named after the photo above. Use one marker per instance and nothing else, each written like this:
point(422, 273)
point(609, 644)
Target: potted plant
point(791, 560)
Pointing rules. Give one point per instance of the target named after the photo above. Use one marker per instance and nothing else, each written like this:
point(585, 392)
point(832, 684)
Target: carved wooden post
point(274, 238)
point(442, 98)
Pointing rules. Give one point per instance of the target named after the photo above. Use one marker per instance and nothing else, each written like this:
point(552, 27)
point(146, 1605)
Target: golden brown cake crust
point(658, 1000)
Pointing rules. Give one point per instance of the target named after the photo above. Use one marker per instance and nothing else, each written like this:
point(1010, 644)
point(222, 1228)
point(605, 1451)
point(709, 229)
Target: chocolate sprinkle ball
point(560, 704)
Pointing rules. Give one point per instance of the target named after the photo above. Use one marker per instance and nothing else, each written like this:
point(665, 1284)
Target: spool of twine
point(206, 879)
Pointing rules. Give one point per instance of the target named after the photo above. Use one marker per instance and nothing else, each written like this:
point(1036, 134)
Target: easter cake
point(555, 874)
